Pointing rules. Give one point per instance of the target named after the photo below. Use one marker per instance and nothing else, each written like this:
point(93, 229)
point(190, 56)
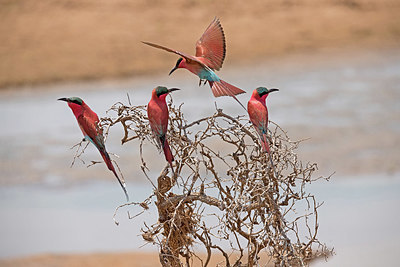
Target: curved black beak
point(173, 89)
point(272, 90)
point(175, 68)
point(176, 65)
point(63, 99)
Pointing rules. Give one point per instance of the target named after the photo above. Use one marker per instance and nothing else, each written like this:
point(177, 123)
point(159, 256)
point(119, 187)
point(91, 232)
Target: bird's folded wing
point(92, 129)
point(187, 57)
point(211, 45)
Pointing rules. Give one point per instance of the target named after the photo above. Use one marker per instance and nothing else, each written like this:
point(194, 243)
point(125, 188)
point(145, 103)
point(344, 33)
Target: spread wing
point(211, 45)
point(187, 57)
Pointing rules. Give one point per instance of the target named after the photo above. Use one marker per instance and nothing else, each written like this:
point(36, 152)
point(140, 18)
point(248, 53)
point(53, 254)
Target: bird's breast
point(209, 75)
point(258, 114)
point(158, 116)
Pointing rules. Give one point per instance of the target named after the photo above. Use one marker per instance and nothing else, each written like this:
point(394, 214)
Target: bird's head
point(74, 100)
point(177, 65)
point(162, 91)
point(263, 92)
point(75, 103)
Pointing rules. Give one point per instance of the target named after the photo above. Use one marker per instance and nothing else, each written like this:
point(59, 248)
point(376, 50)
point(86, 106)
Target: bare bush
point(227, 200)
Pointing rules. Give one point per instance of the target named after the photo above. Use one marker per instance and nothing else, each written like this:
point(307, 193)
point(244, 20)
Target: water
point(37, 219)
point(359, 219)
point(348, 105)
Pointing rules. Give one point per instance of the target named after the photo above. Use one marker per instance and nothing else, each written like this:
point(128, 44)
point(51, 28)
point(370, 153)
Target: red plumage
point(210, 55)
point(222, 88)
point(211, 46)
point(258, 113)
point(158, 114)
point(167, 153)
point(88, 122)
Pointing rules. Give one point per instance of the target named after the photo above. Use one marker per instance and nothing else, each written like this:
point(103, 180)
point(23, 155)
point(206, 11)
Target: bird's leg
point(204, 81)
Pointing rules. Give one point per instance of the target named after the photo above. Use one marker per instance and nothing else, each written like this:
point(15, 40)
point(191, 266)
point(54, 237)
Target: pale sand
point(132, 259)
point(52, 40)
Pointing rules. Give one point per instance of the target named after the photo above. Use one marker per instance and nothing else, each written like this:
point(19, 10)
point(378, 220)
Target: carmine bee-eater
point(258, 114)
point(157, 112)
point(210, 54)
point(88, 121)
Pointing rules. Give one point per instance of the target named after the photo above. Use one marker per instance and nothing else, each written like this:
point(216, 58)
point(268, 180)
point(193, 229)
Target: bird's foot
point(204, 81)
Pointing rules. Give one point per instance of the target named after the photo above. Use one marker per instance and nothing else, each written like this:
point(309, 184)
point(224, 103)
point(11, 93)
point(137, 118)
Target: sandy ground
point(136, 259)
point(100, 259)
point(59, 40)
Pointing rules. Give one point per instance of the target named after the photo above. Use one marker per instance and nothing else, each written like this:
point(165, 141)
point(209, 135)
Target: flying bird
point(158, 114)
point(88, 121)
point(210, 54)
point(258, 114)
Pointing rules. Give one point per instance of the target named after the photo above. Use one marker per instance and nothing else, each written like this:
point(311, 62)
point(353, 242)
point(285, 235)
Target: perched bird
point(258, 114)
point(88, 121)
point(210, 54)
point(157, 112)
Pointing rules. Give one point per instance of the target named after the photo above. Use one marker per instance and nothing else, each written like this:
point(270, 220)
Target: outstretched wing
point(211, 45)
point(187, 57)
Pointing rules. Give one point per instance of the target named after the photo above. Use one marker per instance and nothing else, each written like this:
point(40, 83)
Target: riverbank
point(52, 41)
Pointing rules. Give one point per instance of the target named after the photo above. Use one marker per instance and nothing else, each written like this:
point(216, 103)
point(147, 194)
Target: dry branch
point(229, 200)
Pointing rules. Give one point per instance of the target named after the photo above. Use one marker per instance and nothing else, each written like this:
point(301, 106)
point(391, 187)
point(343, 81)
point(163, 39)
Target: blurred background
point(336, 63)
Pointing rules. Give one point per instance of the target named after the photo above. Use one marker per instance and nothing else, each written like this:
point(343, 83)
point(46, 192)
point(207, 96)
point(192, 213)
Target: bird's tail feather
point(222, 88)
point(264, 143)
point(167, 152)
point(265, 146)
point(110, 166)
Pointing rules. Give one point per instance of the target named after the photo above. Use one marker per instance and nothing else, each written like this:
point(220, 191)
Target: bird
point(258, 113)
point(158, 114)
point(210, 55)
point(88, 121)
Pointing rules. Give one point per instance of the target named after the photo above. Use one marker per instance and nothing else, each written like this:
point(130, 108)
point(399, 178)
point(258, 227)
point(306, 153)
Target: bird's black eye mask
point(178, 62)
point(77, 102)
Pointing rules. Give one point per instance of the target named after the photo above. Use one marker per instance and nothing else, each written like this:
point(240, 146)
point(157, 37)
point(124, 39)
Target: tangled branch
point(225, 195)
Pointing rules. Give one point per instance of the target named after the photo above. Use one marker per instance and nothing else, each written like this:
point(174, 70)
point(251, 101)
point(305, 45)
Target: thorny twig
point(79, 151)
